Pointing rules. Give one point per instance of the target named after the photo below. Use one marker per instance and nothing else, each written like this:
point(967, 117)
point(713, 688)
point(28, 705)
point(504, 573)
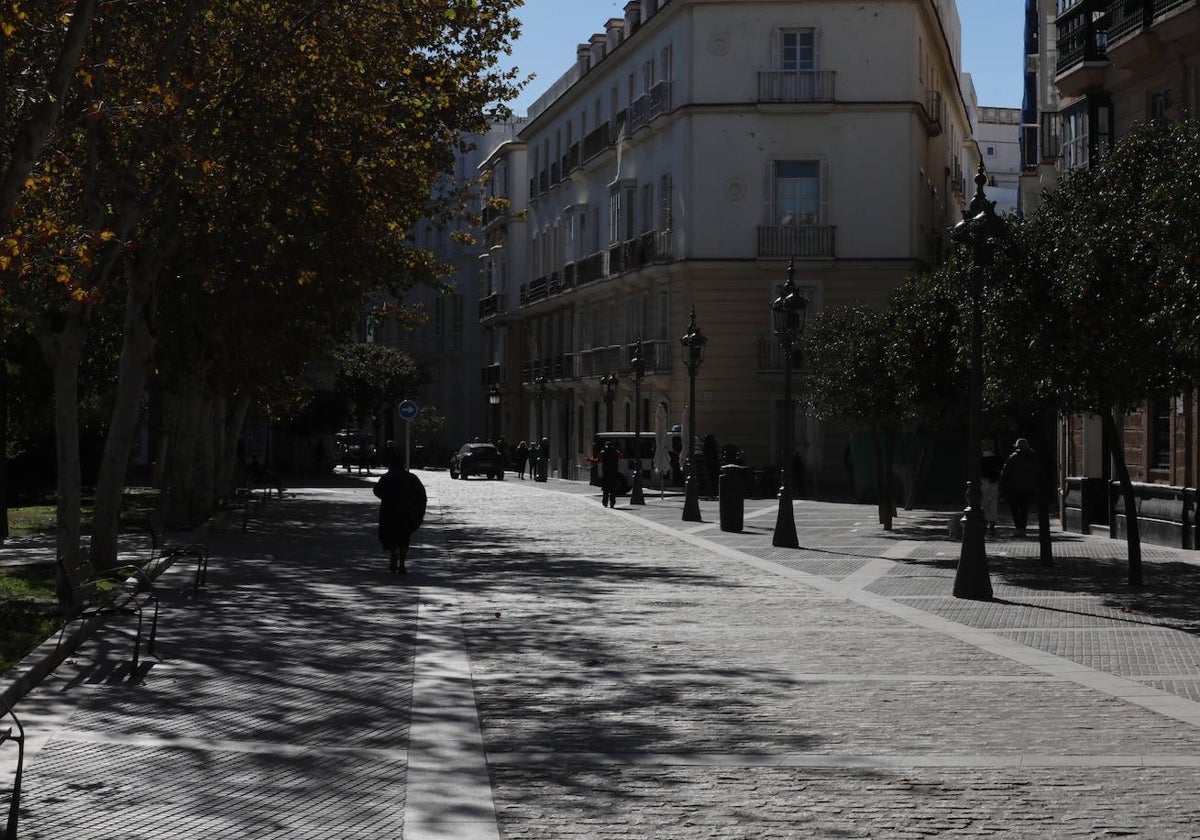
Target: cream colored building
point(691, 151)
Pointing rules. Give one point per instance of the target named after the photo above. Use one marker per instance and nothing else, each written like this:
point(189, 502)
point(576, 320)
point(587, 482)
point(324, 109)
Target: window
point(1160, 434)
point(797, 49)
point(797, 192)
point(1087, 131)
point(664, 202)
point(1161, 104)
point(615, 217)
point(991, 151)
point(647, 209)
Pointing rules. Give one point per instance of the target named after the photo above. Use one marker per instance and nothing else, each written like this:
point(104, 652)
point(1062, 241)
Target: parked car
point(356, 450)
point(477, 459)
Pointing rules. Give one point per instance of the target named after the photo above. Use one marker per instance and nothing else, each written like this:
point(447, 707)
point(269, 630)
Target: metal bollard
point(731, 489)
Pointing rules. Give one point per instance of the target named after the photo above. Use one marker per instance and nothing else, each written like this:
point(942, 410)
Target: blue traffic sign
point(408, 409)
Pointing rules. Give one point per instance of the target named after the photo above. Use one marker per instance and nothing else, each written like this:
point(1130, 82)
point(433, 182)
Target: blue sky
point(992, 43)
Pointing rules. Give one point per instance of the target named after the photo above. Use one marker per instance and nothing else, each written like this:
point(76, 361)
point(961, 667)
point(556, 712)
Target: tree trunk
point(883, 486)
point(3, 439)
point(62, 344)
point(136, 350)
point(1132, 538)
point(234, 419)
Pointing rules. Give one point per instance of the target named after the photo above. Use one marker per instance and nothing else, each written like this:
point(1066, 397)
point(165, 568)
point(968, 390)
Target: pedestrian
point(610, 473)
point(1019, 482)
point(522, 457)
point(401, 510)
point(989, 463)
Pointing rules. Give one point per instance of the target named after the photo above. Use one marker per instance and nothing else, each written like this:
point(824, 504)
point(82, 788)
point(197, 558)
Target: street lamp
point(609, 381)
point(977, 231)
point(539, 391)
point(637, 367)
point(495, 397)
point(788, 312)
point(693, 342)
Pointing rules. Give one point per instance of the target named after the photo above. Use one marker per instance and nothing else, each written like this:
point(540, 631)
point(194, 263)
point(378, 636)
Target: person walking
point(990, 474)
point(402, 503)
point(1019, 482)
point(521, 457)
point(610, 473)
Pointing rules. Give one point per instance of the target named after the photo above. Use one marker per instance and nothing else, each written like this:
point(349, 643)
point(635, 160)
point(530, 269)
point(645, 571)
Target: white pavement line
point(868, 573)
point(1128, 690)
point(449, 791)
point(841, 761)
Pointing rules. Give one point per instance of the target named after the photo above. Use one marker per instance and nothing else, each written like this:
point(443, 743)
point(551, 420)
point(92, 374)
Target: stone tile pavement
point(554, 669)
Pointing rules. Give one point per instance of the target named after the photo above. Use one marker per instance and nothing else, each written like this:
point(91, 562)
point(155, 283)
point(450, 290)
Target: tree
point(850, 380)
point(1104, 297)
point(241, 150)
point(374, 377)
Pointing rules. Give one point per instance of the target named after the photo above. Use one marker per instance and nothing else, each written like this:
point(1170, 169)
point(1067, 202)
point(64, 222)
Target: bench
point(16, 734)
point(160, 552)
point(123, 591)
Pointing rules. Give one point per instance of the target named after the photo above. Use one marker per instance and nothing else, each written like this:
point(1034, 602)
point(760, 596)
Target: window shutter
point(776, 49)
point(826, 191)
point(769, 194)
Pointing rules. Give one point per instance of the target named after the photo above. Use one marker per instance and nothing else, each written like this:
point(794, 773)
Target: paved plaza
point(550, 668)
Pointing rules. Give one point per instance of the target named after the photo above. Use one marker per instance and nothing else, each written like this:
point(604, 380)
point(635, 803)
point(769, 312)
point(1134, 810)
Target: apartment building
point(691, 150)
point(1100, 67)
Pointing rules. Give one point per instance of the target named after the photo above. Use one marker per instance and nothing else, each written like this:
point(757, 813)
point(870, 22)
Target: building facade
point(692, 150)
point(1102, 66)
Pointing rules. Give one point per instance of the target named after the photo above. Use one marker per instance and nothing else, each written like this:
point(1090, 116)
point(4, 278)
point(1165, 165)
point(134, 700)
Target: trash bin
point(731, 490)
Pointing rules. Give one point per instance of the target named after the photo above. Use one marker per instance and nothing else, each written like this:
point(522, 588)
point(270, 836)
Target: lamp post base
point(971, 579)
point(691, 501)
point(785, 522)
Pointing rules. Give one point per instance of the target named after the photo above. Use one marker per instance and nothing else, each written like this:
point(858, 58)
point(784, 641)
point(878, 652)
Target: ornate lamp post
point(637, 368)
point(609, 381)
point(495, 397)
point(977, 231)
point(788, 312)
point(539, 391)
point(693, 342)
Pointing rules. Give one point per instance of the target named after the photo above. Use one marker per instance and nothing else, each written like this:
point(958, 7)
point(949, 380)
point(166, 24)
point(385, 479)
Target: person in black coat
point(402, 503)
point(1019, 482)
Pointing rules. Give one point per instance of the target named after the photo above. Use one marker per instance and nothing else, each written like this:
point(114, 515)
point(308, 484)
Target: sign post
point(408, 410)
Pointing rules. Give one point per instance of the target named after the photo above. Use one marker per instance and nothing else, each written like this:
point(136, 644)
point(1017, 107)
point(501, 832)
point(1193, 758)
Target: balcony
point(493, 374)
point(795, 85)
point(656, 246)
point(590, 269)
point(1126, 18)
point(595, 142)
point(554, 367)
point(796, 241)
point(1082, 47)
point(489, 306)
point(537, 290)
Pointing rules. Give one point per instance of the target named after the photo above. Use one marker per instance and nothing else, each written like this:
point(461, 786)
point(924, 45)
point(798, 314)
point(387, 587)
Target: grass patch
point(137, 506)
point(28, 606)
point(28, 611)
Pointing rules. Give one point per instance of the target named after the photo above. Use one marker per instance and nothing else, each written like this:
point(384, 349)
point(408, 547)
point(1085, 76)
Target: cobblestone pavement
point(554, 669)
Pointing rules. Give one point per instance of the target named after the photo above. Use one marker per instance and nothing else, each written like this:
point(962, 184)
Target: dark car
point(356, 450)
point(477, 459)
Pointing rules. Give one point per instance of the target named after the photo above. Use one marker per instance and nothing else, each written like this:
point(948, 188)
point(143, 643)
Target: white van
point(627, 444)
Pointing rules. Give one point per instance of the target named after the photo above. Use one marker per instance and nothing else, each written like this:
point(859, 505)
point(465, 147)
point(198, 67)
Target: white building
point(691, 151)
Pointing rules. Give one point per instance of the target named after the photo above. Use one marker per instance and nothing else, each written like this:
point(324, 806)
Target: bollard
point(731, 489)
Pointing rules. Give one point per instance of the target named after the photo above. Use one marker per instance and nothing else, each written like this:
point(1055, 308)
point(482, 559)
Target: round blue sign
point(408, 409)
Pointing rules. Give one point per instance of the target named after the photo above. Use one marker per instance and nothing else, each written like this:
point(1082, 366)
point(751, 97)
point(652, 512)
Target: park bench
point(14, 733)
point(123, 591)
point(161, 551)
